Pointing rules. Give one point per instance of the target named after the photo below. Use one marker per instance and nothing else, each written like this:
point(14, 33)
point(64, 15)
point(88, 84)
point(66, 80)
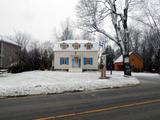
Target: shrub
point(20, 67)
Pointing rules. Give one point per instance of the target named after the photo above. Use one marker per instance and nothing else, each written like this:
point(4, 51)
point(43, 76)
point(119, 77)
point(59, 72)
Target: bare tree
point(86, 35)
point(135, 39)
point(22, 39)
point(47, 45)
point(66, 32)
point(94, 13)
point(150, 18)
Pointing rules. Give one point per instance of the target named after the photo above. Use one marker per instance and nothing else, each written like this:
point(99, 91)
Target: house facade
point(9, 52)
point(76, 55)
point(136, 62)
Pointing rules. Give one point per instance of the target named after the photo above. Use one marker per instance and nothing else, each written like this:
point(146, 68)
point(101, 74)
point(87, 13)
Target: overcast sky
point(36, 17)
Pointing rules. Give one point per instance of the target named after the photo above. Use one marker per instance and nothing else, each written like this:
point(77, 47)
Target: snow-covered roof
point(120, 58)
point(76, 41)
point(82, 45)
point(7, 40)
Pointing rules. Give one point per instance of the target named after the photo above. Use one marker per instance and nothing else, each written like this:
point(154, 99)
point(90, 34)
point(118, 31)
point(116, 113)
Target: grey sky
point(36, 17)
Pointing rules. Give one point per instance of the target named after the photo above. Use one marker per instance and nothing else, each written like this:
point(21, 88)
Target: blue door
point(76, 62)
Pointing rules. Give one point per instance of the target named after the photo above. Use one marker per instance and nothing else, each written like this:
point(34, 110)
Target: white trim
point(81, 42)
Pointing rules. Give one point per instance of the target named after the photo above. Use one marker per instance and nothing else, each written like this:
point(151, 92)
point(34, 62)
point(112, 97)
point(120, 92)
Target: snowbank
point(44, 82)
point(134, 74)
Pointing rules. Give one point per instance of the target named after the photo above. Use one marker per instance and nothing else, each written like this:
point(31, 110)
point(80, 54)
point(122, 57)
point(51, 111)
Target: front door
point(76, 62)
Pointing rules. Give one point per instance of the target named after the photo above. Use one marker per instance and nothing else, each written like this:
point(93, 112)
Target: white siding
point(93, 54)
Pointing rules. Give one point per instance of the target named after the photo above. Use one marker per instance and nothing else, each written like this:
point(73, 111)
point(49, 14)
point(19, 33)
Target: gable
point(137, 56)
point(120, 58)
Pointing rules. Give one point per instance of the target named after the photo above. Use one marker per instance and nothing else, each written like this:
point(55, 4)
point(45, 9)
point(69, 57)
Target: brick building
point(9, 52)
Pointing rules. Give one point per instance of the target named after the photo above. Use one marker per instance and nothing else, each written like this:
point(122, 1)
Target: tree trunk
point(126, 62)
point(159, 61)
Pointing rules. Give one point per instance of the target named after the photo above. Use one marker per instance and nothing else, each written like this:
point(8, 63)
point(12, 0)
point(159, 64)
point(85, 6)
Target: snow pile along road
point(44, 82)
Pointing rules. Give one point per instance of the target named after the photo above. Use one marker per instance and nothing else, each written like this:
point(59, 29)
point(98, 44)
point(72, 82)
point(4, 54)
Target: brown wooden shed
point(136, 62)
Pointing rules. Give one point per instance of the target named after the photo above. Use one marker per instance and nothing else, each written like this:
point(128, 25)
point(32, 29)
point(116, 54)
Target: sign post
point(127, 67)
point(103, 67)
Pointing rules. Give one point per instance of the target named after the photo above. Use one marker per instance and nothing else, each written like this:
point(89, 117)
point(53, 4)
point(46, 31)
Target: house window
point(76, 45)
point(88, 61)
point(64, 46)
point(88, 46)
point(64, 61)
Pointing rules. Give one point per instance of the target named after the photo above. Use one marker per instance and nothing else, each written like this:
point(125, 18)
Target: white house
point(75, 55)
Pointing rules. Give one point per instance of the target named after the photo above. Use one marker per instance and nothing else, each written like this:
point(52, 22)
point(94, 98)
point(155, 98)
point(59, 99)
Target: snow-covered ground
point(146, 74)
point(137, 74)
point(44, 82)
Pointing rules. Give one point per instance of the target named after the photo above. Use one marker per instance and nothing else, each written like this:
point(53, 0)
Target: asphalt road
point(140, 102)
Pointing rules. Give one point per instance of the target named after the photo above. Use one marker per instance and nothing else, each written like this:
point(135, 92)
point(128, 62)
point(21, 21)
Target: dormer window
point(64, 46)
point(76, 45)
point(88, 46)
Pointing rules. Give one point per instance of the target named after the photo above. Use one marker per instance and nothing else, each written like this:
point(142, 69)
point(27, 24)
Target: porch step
point(75, 69)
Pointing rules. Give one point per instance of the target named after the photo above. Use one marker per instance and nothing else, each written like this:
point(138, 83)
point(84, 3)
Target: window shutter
point(63, 61)
point(67, 61)
point(84, 60)
point(91, 60)
point(60, 61)
point(79, 61)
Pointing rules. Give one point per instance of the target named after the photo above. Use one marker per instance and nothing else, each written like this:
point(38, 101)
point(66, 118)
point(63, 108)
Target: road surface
point(141, 102)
